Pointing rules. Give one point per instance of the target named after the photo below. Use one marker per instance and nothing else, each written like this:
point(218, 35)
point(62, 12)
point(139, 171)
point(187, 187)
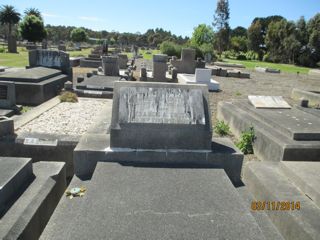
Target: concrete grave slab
point(276, 102)
point(229, 65)
point(314, 72)
point(138, 202)
point(15, 174)
point(274, 138)
point(312, 97)
point(6, 126)
point(160, 116)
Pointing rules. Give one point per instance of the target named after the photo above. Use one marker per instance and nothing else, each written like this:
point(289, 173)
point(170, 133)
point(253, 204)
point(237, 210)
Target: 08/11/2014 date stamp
point(275, 205)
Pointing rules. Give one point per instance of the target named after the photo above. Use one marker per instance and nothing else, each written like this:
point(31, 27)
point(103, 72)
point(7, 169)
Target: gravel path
point(67, 118)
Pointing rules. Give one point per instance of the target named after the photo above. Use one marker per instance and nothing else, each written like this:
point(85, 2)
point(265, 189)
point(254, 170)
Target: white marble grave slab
point(269, 102)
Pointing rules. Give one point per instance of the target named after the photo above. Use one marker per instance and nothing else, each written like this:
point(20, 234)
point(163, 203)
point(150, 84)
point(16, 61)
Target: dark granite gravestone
point(123, 61)
point(7, 95)
point(35, 85)
point(6, 126)
point(160, 116)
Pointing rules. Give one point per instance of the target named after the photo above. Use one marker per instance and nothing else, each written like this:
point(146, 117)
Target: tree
point(239, 32)
point(33, 11)
point(78, 35)
point(239, 43)
point(255, 38)
point(9, 16)
point(32, 29)
point(221, 22)
point(202, 34)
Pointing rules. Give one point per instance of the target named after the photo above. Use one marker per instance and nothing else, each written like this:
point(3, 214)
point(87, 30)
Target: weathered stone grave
point(159, 72)
point(110, 65)
point(267, 70)
point(229, 65)
point(281, 134)
point(202, 76)
point(123, 61)
point(269, 102)
point(98, 86)
point(6, 126)
point(160, 139)
point(187, 63)
point(29, 194)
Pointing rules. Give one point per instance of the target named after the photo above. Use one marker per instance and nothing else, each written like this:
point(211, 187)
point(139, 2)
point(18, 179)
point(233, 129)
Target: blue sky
point(178, 16)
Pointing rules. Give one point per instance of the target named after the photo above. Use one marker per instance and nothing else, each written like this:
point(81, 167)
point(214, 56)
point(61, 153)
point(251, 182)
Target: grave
point(229, 65)
point(281, 134)
point(202, 76)
point(7, 99)
point(90, 62)
point(159, 73)
point(29, 193)
point(110, 65)
point(236, 73)
point(98, 86)
point(228, 72)
point(267, 70)
point(314, 72)
point(187, 63)
point(75, 61)
point(123, 61)
point(35, 85)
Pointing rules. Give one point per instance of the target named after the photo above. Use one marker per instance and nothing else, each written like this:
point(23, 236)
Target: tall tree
point(32, 29)
point(202, 34)
point(9, 16)
point(255, 38)
point(33, 11)
point(221, 23)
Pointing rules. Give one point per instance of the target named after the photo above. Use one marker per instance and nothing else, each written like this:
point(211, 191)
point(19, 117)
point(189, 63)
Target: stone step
point(15, 176)
point(306, 176)
point(28, 216)
point(267, 183)
point(268, 229)
point(293, 123)
point(269, 144)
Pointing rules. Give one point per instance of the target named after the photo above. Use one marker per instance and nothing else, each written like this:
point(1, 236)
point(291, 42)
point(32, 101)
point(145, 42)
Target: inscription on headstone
point(161, 105)
point(3, 92)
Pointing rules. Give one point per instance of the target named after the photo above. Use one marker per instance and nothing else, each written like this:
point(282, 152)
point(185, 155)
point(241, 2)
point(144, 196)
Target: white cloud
point(92, 19)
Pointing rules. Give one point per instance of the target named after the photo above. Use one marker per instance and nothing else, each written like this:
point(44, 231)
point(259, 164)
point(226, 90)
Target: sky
point(178, 16)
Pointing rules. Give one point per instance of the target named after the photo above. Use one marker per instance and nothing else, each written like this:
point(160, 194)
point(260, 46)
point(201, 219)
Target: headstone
point(202, 76)
point(123, 61)
point(160, 116)
point(51, 59)
point(143, 74)
point(269, 102)
point(159, 67)
point(110, 65)
point(44, 44)
point(7, 95)
point(187, 63)
point(12, 44)
point(62, 47)
point(68, 86)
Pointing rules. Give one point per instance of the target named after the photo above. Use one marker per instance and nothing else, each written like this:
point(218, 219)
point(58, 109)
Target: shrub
point(241, 57)
point(68, 97)
point(171, 49)
point(246, 141)
point(251, 55)
point(222, 129)
point(267, 58)
point(2, 50)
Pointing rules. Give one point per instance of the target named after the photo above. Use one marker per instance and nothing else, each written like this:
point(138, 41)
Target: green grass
point(283, 67)
point(21, 58)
